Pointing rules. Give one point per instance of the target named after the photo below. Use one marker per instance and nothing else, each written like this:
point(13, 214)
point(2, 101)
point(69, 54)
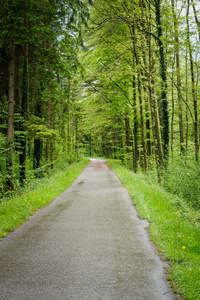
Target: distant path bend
point(88, 244)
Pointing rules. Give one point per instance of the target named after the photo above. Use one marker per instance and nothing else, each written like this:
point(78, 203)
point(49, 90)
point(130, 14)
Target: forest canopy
point(117, 78)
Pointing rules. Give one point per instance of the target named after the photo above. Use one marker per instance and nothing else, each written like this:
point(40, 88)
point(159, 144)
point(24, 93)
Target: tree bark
point(38, 143)
point(165, 111)
point(154, 113)
point(194, 94)
point(186, 99)
point(24, 104)
point(135, 114)
point(11, 102)
point(178, 78)
point(196, 18)
point(127, 129)
point(172, 115)
point(143, 156)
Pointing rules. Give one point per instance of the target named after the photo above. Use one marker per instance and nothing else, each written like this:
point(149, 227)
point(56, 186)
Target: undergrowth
point(21, 204)
point(182, 178)
point(174, 227)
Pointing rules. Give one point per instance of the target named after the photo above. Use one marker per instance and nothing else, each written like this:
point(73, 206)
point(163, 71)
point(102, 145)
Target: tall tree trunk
point(38, 143)
point(135, 128)
point(49, 142)
point(37, 154)
point(172, 116)
point(196, 18)
point(49, 108)
point(127, 129)
point(186, 99)
point(11, 101)
point(148, 127)
point(147, 112)
point(135, 114)
point(154, 114)
point(194, 94)
point(24, 105)
point(76, 136)
point(178, 76)
point(165, 111)
point(143, 156)
point(145, 74)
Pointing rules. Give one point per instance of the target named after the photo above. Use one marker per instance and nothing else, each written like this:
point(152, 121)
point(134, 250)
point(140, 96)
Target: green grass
point(17, 208)
point(174, 228)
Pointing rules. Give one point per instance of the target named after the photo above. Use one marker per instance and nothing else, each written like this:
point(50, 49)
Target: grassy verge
point(20, 206)
point(174, 227)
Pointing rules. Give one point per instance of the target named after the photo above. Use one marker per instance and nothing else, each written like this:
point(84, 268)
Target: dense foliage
point(118, 79)
point(120, 83)
point(141, 88)
point(38, 59)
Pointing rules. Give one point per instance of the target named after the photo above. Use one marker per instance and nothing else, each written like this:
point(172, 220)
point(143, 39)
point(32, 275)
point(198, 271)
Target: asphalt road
point(88, 244)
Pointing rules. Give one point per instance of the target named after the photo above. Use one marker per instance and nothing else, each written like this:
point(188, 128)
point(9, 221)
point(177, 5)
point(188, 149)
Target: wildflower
point(183, 247)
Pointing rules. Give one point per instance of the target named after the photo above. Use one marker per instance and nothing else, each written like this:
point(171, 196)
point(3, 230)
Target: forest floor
point(89, 243)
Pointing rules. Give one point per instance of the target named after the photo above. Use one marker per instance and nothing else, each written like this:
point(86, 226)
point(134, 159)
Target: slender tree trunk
point(143, 156)
point(135, 114)
point(11, 101)
point(186, 112)
point(24, 105)
point(154, 115)
point(147, 113)
point(165, 111)
point(68, 139)
point(196, 18)
point(38, 147)
point(172, 116)
point(135, 128)
point(52, 154)
point(127, 129)
point(148, 127)
point(178, 76)
point(49, 141)
point(76, 137)
point(145, 75)
point(49, 108)
point(38, 143)
point(194, 94)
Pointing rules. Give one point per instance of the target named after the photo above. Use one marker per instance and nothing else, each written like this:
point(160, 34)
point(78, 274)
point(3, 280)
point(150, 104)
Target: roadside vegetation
point(19, 205)
point(119, 79)
point(174, 227)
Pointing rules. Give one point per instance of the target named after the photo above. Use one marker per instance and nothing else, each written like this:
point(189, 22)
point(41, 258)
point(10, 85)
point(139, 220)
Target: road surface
point(88, 244)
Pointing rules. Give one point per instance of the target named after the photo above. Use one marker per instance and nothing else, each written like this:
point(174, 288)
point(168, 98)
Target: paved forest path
point(88, 244)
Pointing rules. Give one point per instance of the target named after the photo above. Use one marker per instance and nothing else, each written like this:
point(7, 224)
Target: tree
point(11, 99)
point(194, 94)
point(163, 75)
point(178, 75)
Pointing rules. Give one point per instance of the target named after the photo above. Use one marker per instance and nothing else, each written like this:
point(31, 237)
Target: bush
point(182, 178)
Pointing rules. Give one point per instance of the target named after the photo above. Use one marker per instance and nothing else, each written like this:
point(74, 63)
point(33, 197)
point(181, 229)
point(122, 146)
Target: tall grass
point(20, 205)
point(174, 227)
